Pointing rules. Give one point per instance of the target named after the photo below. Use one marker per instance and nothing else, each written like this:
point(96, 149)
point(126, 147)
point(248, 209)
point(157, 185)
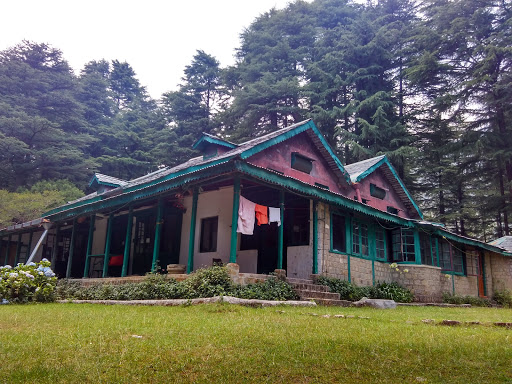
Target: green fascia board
point(289, 134)
point(157, 187)
point(467, 241)
point(138, 186)
point(211, 140)
point(393, 171)
point(319, 193)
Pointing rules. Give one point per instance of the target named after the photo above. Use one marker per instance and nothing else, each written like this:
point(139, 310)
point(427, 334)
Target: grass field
point(73, 343)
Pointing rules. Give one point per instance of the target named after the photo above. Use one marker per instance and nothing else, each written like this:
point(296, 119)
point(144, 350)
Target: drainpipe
point(358, 192)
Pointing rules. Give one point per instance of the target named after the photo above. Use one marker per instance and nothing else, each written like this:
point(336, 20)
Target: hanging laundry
point(274, 215)
point(261, 214)
point(246, 209)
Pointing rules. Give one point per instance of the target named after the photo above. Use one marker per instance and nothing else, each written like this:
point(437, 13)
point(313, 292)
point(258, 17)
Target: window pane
point(355, 238)
point(426, 249)
point(444, 256)
point(364, 239)
point(380, 244)
point(338, 233)
point(208, 241)
point(396, 239)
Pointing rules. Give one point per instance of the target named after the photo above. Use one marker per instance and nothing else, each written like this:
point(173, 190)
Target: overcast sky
point(157, 38)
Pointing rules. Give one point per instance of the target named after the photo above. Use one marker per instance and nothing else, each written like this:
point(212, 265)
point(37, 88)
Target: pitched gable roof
point(243, 151)
point(110, 181)
point(210, 139)
point(358, 171)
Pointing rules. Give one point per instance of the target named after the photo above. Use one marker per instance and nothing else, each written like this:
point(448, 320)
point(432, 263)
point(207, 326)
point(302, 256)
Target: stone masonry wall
point(427, 283)
point(500, 267)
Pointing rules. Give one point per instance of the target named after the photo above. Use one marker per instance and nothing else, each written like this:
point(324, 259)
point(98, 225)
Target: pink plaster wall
point(278, 157)
point(391, 199)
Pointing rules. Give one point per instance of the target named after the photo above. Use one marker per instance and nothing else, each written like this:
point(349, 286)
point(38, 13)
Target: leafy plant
point(270, 289)
point(26, 283)
point(350, 291)
point(459, 299)
point(503, 297)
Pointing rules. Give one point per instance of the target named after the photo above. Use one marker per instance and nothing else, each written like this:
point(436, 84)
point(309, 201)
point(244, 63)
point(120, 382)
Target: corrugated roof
point(504, 242)
point(107, 180)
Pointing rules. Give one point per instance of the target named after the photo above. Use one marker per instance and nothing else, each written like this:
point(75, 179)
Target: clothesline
point(249, 212)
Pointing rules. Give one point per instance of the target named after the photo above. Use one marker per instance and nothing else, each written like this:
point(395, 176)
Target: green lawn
point(73, 343)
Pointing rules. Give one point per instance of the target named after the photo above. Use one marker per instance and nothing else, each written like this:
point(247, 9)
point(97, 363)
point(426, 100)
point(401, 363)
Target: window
point(427, 256)
point(301, 163)
point(209, 227)
point(472, 263)
point(380, 244)
point(377, 192)
point(451, 259)
point(403, 245)
point(322, 186)
point(359, 239)
point(392, 210)
point(339, 241)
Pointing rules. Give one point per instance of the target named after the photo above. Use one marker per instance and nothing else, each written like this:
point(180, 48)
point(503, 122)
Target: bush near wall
point(351, 292)
point(34, 282)
point(208, 282)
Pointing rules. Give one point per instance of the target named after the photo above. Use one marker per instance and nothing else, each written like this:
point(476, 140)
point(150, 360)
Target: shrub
point(472, 300)
point(26, 283)
point(208, 282)
point(153, 287)
point(270, 289)
point(350, 291)
point(393, 291)
point(503, 297)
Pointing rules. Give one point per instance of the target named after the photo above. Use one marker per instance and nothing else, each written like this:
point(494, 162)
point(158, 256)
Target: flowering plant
point(27, 282)
point(395, 267)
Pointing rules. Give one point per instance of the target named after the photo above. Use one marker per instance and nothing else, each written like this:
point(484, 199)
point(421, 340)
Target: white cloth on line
point(246, 215)
point(274, 215)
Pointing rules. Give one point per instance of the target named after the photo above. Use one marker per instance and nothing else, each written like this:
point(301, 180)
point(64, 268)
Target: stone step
point(329, 302)
point(317, 295)
point(312, 287)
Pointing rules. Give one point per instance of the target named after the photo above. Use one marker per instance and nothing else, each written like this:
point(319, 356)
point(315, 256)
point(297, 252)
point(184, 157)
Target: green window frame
point(451, 259)
point(360, 245)
point(403, 248)
point(427, 253)
point(378, 192)
point(380, 244)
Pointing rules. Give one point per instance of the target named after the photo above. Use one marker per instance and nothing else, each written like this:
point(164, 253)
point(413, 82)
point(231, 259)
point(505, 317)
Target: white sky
point(157, 38)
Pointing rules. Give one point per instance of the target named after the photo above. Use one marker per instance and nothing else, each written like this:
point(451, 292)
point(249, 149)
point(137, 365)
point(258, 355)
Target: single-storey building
point(348, 221)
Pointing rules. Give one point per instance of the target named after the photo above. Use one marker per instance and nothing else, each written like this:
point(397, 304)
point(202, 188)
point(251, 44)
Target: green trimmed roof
point(210, 139)
point(243, 151)
point(358, 171)
point(110, 181)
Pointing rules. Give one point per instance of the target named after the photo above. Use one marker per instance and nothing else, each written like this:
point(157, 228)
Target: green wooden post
point(482, 255)
point(107, 245)
point(7, 250)
point(18, 251)
point(30, 237)
point(89, 246)
point(315, 238)
point(280, 242)
point(437, 251)
point(372, 251)
point(127, 243)
point(234, 220)
point(348, 239)
point(71, 250)
point(417, 247)
point(158, 231)
point(55, 246)
point(190, 263)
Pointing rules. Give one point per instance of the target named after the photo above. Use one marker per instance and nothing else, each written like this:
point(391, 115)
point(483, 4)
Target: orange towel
point(261, 214)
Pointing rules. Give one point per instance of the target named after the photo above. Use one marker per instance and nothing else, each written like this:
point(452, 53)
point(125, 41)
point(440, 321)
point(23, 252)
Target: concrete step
point(317, 295)
point(329, 302)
